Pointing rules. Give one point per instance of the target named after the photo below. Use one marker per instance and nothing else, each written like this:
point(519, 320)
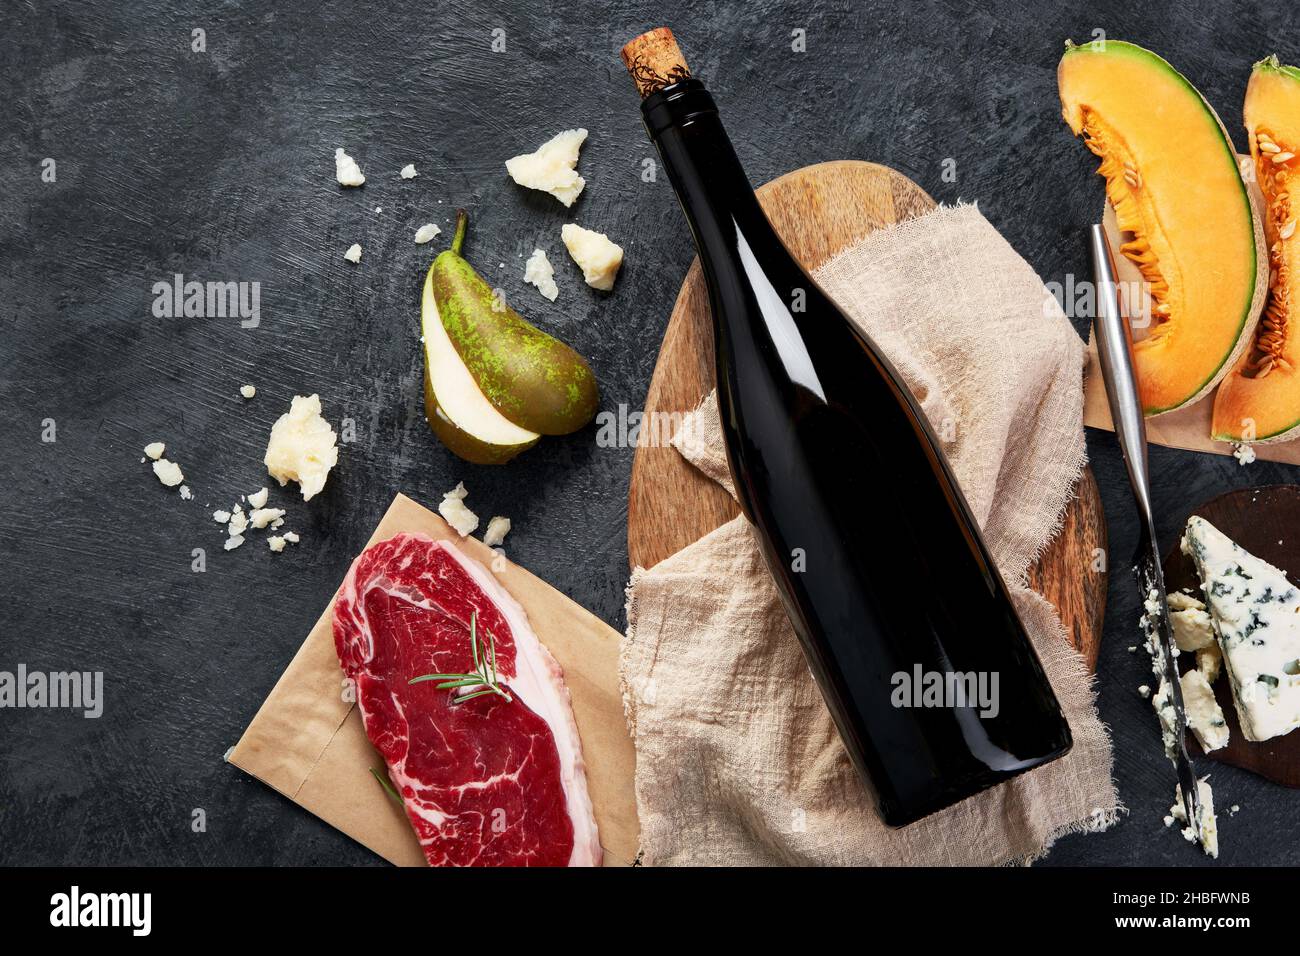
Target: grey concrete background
point(218, 165)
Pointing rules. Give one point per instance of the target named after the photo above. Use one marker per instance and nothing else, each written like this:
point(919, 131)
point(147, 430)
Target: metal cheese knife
point(1114, 348)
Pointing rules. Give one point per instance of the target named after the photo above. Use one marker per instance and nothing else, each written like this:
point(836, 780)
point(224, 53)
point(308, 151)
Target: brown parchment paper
point(308, 742)
point(1187, 428)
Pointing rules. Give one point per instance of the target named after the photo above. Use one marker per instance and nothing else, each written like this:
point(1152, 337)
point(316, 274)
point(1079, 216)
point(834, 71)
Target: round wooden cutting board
point(1266, 522)
point(818, 211)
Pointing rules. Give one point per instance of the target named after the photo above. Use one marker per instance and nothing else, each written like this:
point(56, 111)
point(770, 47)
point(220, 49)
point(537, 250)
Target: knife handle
point(1115, 351)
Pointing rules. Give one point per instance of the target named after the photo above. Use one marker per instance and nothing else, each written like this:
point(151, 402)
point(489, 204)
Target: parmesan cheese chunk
point(248, 391)
point(354, 253)
point(595, 254)
point(408, 171)
point(455, 513)
point(155, 450)
point(261, 517)
point(275, 543)
point(497, 530)
point(168, 472)
point(346, 170)
point(258, 498)
point(538, 271)
point(426, 233)
point(302, 447)
point(551, 167)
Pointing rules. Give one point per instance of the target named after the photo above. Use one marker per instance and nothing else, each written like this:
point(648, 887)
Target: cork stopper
point(655, 61)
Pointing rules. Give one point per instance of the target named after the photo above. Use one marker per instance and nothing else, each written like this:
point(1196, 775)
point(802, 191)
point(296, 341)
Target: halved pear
point(457, 410)
point(532, 379)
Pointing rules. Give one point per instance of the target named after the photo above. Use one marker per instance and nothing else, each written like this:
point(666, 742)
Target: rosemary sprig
point(484, 675)
point(384, 782)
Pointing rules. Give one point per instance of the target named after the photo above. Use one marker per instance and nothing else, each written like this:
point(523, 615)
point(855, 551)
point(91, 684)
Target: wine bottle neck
point(701, 164)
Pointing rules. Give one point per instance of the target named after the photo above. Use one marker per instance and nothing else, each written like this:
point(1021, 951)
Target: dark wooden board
point(1265, 522)
point(818, 211)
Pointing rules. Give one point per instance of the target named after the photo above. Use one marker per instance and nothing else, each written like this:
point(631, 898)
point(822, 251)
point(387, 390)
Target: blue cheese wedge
point(1256, 614)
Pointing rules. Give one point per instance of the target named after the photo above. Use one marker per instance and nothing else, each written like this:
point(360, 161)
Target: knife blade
point(1115, 350)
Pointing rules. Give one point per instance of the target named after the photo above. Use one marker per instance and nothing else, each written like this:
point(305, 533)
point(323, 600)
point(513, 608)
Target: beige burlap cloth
point(738, 762)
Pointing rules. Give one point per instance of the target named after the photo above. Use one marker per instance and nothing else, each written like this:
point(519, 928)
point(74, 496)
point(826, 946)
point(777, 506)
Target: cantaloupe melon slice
point(1188, 219)
point(1260, 400)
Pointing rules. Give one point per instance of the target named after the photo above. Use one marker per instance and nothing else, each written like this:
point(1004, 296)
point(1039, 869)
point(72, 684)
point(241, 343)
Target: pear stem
point(462, 223)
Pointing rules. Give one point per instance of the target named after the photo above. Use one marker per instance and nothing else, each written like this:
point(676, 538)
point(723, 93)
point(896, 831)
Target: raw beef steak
point(486, 781)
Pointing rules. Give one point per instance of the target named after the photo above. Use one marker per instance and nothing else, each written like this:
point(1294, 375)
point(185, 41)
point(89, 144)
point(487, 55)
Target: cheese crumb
point(454, 512)
point(301, 447)
point(595, 254)
point(238, 523)
point(1244, 454)
point(275, 543)
point(354, 252)
point(155, 450)
point(186, 494)
point(551, 167)
point(221, 517)
point(346, 170)
point(291, 537)
point(248, 391)
point(258, 498)
point(539, 272)
point(408, 171)
point(233, 542)
point(497, 530)
point(168, 472)
point(262, 517)
point(426, 233)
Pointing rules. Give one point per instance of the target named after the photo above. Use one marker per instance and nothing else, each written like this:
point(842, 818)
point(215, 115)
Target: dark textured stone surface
point(219, 165)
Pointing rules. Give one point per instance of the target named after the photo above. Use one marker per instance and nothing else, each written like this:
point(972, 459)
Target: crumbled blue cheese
point(1204, 716)
point(346, 170)
point(1209, 825)
point(1163, 702)
point(1245, 454)
point(1192, 629)
point(1256, 612)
